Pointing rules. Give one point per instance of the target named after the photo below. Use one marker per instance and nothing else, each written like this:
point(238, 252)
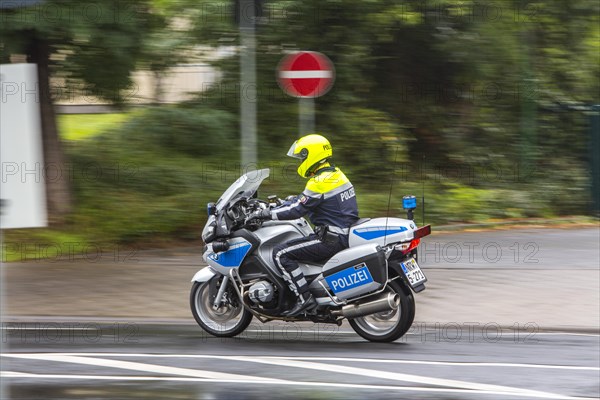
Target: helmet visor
point(292, 152)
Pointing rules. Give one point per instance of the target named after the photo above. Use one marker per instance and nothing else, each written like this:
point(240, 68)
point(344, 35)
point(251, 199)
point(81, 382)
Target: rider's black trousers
point(310, 250)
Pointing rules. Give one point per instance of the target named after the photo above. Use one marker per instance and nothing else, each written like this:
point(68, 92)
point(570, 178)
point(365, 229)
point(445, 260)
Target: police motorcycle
point(370, 284)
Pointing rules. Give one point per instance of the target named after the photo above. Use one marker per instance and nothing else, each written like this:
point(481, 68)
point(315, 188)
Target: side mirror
point(211, 209)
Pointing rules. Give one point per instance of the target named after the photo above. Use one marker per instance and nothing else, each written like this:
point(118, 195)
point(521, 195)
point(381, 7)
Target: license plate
point(413, 272)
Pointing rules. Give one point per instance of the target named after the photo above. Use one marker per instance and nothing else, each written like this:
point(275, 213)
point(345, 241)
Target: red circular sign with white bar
point(305, 74)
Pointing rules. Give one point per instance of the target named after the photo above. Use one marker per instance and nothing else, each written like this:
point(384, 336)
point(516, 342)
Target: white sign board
point(22, 187)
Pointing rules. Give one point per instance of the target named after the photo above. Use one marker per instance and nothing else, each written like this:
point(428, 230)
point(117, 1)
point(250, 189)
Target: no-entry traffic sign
point(305, 74)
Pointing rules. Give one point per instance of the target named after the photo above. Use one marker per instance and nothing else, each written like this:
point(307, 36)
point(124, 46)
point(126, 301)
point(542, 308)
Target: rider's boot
point(305, 302)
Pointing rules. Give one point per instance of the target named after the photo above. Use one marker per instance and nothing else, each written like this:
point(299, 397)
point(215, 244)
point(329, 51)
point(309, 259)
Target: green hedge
point(150, 178)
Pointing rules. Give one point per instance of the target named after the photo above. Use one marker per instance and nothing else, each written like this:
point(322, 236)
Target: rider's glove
point(261, 214)
point(290, 200)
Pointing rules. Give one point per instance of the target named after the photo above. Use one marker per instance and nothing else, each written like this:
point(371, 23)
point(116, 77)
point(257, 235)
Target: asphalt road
point(515, 249)
point(549, 277)
point(539, 281)
point(71, 360)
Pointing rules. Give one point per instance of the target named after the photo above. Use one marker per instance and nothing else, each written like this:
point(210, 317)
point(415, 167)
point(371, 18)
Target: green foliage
point(468, 83)
point(131, 187)
point(421, 87)
point(152, 176)
point(83, 126)
point(366, 140)
point(97, 43)
point(193, 131)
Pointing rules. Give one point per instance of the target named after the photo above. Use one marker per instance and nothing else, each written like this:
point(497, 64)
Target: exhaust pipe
point(385, 302)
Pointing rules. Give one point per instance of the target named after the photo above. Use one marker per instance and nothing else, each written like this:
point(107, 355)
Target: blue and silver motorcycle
point(370, 284)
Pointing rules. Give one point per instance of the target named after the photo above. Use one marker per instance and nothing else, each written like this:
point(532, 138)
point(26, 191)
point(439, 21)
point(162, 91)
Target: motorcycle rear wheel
point(229, 320)
point(389, 325)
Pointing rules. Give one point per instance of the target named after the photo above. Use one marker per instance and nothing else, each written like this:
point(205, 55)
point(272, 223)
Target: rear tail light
point(407, 247)
point(413, 245)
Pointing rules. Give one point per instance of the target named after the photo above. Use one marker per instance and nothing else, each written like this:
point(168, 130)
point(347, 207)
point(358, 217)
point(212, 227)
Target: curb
point(542, 223)
point(581, 330)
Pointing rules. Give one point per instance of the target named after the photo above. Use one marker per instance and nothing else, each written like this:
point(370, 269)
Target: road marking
point(12, 374)
point(48, 328)
point(450, 363)
point(331, 333)
point(341, 369)
point(85, 358)
point(568, 334)
point(134, 366)
point(342, 359)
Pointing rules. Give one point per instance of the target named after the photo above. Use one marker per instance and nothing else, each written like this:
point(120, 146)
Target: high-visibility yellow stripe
point(326, 181)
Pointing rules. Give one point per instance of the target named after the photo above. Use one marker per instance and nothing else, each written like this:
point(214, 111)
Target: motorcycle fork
point(221, 292)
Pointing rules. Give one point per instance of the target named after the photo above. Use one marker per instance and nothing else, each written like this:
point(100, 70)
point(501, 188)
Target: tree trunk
point(56, 172)
point(158, 87)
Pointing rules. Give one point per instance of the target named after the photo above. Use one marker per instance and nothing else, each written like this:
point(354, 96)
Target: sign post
point(248, 90)
point(306, 75)
point(306, 115)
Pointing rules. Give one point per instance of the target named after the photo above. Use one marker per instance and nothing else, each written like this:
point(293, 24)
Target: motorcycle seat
point(360, 222)
point(312, 269)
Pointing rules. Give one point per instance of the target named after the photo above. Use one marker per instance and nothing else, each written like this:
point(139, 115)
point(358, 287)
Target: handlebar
point(220, 246)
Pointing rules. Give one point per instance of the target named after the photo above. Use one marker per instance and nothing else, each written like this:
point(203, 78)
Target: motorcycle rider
point(328, 201)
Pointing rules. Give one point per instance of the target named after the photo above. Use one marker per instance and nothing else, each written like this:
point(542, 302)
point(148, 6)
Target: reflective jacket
point(328, 199)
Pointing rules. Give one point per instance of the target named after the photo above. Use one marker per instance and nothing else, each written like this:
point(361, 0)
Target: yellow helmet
point(311, 149)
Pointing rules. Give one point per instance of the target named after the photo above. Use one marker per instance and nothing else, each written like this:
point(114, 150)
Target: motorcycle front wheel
point(388, 326)
point(230, 319)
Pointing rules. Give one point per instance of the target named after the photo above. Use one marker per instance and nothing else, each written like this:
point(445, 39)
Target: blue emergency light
point(409, 202)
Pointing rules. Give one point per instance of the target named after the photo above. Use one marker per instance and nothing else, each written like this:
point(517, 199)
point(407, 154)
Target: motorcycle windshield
point(245, 186)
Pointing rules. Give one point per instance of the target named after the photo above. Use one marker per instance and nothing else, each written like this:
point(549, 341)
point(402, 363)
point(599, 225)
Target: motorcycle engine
point(261, 292)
